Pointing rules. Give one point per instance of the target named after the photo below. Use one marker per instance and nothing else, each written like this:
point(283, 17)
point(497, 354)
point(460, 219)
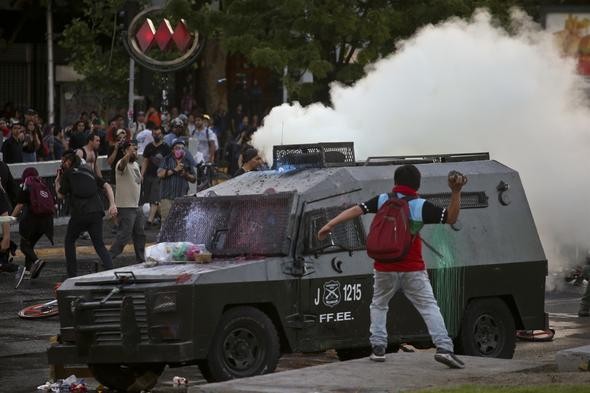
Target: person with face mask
point(131, 218)
point(176, 171)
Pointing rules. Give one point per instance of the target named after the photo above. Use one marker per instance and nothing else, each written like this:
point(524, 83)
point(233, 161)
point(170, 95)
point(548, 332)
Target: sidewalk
point(401, 372)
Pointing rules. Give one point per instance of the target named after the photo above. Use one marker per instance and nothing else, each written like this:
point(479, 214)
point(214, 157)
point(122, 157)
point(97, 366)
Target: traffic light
point(126, 14)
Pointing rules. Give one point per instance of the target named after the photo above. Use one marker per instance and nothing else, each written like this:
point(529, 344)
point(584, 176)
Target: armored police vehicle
point(273, 288)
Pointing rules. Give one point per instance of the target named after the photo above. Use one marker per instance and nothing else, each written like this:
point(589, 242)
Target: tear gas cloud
point(468, 86)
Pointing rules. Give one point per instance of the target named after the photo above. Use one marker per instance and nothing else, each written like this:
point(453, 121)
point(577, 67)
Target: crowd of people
point(26, 137)
point(174, 147)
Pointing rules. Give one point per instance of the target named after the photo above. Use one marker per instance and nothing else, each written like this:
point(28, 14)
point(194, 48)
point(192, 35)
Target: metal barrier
point(48, 171)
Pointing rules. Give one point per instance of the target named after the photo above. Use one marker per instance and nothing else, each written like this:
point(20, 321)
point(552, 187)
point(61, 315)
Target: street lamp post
point(50, 78)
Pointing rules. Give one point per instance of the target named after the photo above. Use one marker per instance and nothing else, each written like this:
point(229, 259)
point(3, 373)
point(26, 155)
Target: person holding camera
point(116, 152)
point(82, 186)
point(176, 171)
point(131, 218)
point(409, 273)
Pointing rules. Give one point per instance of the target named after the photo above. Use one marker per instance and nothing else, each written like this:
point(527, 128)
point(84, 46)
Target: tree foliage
point(332, 39)
point(96, 52)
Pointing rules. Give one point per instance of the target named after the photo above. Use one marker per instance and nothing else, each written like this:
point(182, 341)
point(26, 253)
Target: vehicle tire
point(127, 377)
point(246, 343)
point(487, 330)
point(205, 371)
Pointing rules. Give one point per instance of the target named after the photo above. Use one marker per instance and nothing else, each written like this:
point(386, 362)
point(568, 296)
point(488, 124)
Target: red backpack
point(389, 238)
point(41, 198)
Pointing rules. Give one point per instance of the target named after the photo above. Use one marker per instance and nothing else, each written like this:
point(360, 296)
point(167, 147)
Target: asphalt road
point(23, 364)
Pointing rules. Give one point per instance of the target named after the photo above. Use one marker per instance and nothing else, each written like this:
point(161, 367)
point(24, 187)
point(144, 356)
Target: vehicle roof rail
point(313, 155)
point(425, 159)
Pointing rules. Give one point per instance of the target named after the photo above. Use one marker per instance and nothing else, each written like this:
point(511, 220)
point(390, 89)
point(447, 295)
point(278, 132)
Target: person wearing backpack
point(398, 259)
point(82, 187)
point(37, 205)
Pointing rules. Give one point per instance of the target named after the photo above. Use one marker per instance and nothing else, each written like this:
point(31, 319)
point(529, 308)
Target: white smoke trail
point(468, 86)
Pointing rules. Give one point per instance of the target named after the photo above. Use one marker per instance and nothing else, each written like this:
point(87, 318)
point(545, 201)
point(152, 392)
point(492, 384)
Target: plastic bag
point(177, 252)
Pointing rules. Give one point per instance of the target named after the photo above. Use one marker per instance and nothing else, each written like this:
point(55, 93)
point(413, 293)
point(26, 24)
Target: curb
point(54, 252)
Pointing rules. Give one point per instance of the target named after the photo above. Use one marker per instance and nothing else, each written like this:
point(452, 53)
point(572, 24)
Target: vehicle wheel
point(487, 330)
point(246, 344)
point(205, 371)
point(127, 377)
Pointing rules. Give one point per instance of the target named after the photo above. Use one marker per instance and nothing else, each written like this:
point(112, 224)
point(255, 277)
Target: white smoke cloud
point(468, 86)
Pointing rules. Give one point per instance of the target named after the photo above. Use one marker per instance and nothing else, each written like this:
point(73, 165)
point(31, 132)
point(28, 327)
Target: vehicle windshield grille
point(232, 225)
point(349, 235)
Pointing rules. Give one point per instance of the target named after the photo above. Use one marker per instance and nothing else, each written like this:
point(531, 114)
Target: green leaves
point(96, 52)
point(332, 39)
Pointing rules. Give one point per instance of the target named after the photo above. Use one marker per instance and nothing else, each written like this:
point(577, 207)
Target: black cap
point(249, 154)
point(178, 141)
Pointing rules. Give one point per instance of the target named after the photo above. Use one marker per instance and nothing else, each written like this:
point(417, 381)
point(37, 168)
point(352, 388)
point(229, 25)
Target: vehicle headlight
point(164, 302)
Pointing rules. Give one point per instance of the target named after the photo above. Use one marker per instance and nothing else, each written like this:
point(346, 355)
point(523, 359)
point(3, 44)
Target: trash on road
point(536, 335)
point(69, 385)
point(41, 310)
point(177, 381)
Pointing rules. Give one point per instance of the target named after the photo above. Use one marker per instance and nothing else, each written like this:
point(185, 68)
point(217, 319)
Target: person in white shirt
point(203, 140)
point(144, 138)
point(138, 125)
point(131, 218)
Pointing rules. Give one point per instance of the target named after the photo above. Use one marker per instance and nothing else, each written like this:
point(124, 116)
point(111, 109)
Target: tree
point(96, 52)
point(332, 39)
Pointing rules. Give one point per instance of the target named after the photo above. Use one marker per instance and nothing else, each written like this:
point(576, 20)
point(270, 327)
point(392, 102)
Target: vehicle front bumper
point(180, 352)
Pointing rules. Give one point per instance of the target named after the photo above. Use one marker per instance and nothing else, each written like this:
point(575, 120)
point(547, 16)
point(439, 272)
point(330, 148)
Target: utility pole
point(285, 90)
point(50, 78)
point(131, 96)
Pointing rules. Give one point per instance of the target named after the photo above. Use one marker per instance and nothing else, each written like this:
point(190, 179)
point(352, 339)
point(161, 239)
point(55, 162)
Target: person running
point(81, 186)
point(409, 274)
point(32, 225)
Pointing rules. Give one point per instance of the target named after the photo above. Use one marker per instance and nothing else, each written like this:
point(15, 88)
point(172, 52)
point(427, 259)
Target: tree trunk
point(214, 60)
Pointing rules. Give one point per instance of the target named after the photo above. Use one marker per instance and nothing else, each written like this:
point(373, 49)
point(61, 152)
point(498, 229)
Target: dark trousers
point(93, 224)
point(131, 226)
point(27, 246)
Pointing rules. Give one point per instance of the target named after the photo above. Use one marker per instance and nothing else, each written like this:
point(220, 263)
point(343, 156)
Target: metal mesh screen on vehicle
point(316, 155)
point(469, 200)
point(350, 234)
point(232, 225)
